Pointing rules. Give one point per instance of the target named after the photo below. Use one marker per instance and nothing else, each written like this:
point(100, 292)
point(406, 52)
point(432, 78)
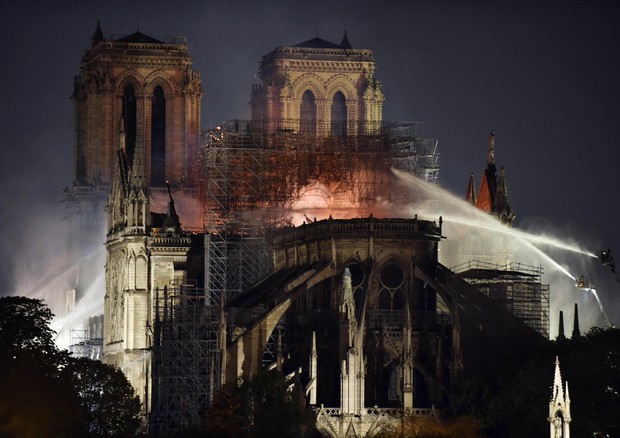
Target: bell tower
point(137, 132)
point(150, 87)
point(319, 88)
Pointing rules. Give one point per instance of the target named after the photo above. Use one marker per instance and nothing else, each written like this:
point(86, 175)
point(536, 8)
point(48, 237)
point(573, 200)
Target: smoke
point(48, 260)
point(321, 200)
point(563, 259)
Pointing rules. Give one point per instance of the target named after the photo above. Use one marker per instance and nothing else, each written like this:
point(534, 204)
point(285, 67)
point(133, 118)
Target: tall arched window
point(385, 300)
point(129, 121)
point(308, 113)
point(158, 138)
point(339, 115)
point(398, 300)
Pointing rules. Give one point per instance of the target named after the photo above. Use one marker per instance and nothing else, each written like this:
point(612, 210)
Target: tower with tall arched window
point(319, 87)
point(148, 86)
point(137, 132)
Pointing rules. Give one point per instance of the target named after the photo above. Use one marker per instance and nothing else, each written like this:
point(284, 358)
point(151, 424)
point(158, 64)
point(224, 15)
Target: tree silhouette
point(265, 406)
point(515, 397)
point(44, 392)
point(108, 399)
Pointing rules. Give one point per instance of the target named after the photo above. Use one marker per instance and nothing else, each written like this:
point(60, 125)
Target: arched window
point(308, 113)
point(385, 300)
point(398, 300)
point(129, 122)
point(339, 115)
point(158, 138)
point(391, 292)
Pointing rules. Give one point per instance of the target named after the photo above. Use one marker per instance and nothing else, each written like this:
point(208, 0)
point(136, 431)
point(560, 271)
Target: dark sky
point(544, 75)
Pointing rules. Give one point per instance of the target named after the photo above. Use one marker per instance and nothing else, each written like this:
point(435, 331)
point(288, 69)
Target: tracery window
point(391, 295)
point(358, 283)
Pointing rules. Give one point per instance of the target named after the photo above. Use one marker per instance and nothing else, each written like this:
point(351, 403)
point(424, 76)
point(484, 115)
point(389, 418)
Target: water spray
point(456, 210)
point(524, 235)
point(600, 305)
point(528, 241)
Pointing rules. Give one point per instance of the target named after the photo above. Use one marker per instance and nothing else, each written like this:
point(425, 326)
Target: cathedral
point(261, 243)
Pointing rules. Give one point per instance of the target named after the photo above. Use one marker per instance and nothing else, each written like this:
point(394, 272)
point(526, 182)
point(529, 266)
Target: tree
point(46, 392)
point(263, 406)
point(108, 399)
point(591, 366)
point(25, 326)
point(516, 396)
point(413, 426)
point(227, 415)
point(36, 397)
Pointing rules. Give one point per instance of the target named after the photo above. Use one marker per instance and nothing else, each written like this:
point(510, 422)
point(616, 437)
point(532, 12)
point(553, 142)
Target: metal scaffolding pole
point(186, 357)
point(250, 172)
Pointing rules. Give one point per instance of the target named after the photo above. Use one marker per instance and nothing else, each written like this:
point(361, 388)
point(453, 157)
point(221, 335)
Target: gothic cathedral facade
point(137, 130)
point(137, 116)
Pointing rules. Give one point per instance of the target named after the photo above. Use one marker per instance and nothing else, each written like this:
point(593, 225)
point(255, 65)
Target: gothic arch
point(309, 81)
point(339, 115)
point(308, 113)
point(344, 84)
point(131, 269)
point(141, 271)
point(161, 79)
point(392, 278)
point(385, 300)
point(129, 77)
point(388, 279)
point(358, 271)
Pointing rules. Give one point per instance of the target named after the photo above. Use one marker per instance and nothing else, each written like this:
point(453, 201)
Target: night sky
point(545, 77)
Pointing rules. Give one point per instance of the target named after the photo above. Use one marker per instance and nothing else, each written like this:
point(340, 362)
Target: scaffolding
point(253, 171)
point(187, 356)
point(82, 345)
point(516, 286)
point(88, 342)
point(250, 173)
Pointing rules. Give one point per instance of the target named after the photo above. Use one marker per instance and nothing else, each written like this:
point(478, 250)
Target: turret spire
point(561, 335)
point(471, 191)
point(491, 152)
point(488, 185)
point(501, 207)
point(137, 167)
point(558, 390)
point(97, 35)
point(559, 407)
point(576, 331)
point(312, 372)
point(345, 44)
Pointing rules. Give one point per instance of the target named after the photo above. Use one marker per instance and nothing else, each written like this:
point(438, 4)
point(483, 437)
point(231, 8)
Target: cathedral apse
point(275, 242)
